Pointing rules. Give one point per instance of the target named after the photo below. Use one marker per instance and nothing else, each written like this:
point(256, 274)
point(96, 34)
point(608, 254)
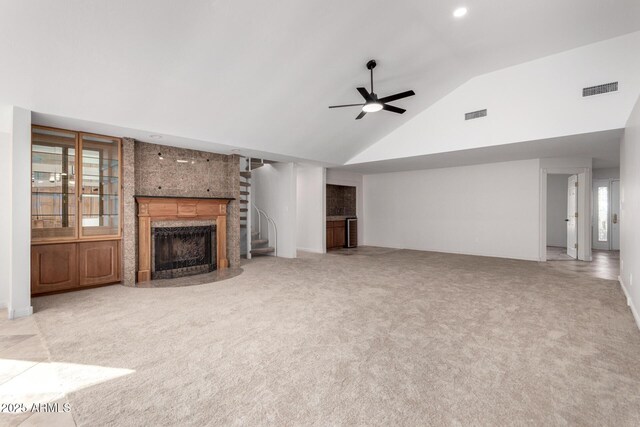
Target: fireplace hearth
point(183, 251)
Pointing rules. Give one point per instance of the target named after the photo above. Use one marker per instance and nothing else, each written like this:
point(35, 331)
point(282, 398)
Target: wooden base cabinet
point(54, 268)
point(98, 262)
point(336, 237)
point(69, 266)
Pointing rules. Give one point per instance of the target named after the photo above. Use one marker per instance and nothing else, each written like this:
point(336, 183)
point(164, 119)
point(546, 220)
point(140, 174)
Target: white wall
point(6, 124)
point(524, 103)
point(351, 179)
point(630, 212)
point(311, 208)
point(274, 191)
point(15, 225)
point(557, 210)
point(20, 296)
point(606, 173)
point(490, 209)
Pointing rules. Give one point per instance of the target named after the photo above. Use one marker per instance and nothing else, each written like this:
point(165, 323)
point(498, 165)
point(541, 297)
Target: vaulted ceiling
point(260, 74)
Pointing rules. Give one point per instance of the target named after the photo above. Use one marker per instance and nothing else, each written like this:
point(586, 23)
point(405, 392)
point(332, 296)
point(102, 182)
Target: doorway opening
point(562, 217)
point(565, 215)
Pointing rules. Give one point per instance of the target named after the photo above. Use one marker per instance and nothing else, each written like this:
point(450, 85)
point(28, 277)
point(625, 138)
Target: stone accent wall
point(202, 175)
point(130, 220)
point(341, 200)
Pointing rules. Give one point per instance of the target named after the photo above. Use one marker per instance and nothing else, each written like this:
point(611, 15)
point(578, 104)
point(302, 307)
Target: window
point(603, 214)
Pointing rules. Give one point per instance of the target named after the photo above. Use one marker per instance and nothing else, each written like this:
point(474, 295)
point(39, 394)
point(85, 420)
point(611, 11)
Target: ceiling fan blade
point(397, 96)
point(367, 97)
point(393, 109)
point(346, 105)
point(361, 115)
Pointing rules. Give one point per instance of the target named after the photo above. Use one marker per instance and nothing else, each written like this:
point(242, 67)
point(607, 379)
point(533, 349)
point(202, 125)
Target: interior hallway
point(604, 264)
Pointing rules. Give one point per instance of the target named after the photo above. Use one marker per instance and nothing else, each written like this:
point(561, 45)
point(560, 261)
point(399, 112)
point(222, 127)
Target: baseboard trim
point(313, 251)
point(15, 313)
point(636, 315)
point(441, 251)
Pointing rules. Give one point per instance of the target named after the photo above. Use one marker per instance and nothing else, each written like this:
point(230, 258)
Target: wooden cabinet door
point(99, 262)
point(329, 235)
point(339, 236)
point(53, 267)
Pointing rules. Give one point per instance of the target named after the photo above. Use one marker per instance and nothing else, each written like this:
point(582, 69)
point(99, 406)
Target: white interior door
point(572, 216)
point(615, 215)
point(600, 217)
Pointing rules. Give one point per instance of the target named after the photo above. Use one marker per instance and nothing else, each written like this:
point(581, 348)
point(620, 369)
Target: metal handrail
point(269, 221)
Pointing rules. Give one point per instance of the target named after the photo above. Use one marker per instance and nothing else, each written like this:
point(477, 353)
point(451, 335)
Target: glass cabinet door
point(53, 181)
point(100, 186)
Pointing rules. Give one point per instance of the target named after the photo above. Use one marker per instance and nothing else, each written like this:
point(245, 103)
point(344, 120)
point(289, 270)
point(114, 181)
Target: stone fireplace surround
point(210, 176)
point(175, 209)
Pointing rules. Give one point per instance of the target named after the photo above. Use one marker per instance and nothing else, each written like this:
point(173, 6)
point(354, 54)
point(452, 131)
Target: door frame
point(572, 207)
point(611, 210)
point(599, 183)
point(585, 190)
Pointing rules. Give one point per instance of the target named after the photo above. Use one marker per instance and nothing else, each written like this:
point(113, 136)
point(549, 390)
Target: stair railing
point(270, 220)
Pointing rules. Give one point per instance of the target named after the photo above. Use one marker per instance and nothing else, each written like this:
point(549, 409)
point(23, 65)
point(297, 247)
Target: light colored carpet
point(384, 338)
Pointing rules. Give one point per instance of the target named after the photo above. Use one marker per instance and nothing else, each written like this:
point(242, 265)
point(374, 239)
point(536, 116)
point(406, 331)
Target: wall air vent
point(475, 114)
point(600, 89)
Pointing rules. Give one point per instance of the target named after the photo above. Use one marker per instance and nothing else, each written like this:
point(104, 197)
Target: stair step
point(262, 251)
point(245, 174)
point(258, 242)
point(245, 184)
point(244, 209)
point(244, 193)
point(256, 163)
point(255, 234)
point(243, 201)
point(243, 225)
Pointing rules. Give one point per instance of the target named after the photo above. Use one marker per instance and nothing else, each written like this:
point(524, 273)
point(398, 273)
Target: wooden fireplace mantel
point(154, 208)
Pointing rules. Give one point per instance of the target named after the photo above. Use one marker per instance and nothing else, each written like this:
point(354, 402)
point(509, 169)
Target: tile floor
point(604, 264)
point(555, 253)
point(27, 376)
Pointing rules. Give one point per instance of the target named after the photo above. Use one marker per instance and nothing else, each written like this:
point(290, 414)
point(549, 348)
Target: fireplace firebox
point(183, 251)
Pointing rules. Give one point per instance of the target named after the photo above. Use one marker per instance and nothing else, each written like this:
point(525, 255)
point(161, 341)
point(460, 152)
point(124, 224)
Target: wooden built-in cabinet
point(98, 262)
point(75, 209)
point(54, 267)
point(66, 266)
point(336, 234)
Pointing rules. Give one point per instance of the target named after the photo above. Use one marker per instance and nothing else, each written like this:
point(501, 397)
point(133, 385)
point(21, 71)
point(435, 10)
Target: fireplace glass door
point(183, 251)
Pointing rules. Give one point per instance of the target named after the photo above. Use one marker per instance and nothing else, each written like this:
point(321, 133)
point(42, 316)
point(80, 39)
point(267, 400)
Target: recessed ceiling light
point(460, 12)
point(155, 136)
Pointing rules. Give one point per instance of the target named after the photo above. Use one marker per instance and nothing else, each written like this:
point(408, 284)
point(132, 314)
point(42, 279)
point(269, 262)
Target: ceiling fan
point(372, 102)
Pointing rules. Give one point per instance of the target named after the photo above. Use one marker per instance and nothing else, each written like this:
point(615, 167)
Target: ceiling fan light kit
point(372, 102)
point(372, 107)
